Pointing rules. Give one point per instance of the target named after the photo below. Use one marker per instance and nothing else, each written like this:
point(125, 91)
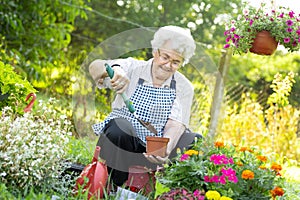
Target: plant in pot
point(280, 24)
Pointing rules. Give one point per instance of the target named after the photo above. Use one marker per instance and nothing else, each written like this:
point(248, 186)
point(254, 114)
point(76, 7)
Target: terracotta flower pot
point(156, 146)
point(264, 44)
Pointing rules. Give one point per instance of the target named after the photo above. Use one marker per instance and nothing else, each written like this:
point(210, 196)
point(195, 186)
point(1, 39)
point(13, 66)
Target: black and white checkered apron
point(152, 105)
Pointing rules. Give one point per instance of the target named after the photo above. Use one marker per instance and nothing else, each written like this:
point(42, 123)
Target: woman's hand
point(120, 81)
point(157, 159)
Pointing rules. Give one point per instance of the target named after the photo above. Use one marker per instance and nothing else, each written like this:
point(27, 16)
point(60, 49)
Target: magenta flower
point(289, 23)
point(220, 159)
point(281, 15)
point(233, 179)
point(226, 32)
point(226, 46)
point(207, 179)
point(222, 180)
point(228, 38)
point(215, 179)
point(295, 43)
point(184, 157)
point(230, 174)
point(286, 40)
point(291, 14)
point(289, 30)
point(251, 22)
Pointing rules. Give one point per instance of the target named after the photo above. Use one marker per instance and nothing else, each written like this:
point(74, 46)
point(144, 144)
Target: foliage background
point(47, 41)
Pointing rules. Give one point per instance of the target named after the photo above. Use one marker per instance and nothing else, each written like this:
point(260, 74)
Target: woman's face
point(166, 62)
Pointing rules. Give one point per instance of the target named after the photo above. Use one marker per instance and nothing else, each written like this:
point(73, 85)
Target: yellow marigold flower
point(247, 174)
point(262, 158)
point(219, 144)
point(239, 163)
point(262, 167)
point(191, 152)
point(276, 167)
point(225, 198)
point(212, 195)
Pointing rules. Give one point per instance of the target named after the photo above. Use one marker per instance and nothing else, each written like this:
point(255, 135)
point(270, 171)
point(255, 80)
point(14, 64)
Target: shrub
point(32, 148)
point(274, 129)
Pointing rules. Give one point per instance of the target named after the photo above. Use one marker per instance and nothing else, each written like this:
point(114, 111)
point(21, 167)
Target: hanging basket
point(264, 44)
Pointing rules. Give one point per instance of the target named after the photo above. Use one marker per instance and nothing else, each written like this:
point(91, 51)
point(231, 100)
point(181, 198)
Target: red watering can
point(97, 175)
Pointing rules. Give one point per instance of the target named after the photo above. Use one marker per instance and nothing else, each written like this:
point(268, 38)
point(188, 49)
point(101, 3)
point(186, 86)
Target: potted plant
point(214, 170)
point(283, 25)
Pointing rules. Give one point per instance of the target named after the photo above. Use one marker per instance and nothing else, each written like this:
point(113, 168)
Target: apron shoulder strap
point(172, 84)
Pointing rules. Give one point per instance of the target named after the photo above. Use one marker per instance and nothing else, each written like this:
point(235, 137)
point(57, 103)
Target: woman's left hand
point(156, 159)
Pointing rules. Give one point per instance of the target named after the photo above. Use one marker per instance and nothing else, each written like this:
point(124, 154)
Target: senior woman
point(161, 95)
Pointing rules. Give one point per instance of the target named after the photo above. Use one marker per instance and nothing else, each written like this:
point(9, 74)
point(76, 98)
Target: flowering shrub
point(282, 23)
point(31, 148)
point(222, 171)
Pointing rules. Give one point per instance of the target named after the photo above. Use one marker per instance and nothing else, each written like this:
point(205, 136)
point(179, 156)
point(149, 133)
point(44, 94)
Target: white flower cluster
point(32, 147)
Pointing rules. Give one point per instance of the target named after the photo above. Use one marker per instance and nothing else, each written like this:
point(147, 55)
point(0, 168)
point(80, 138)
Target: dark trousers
point(121, 148)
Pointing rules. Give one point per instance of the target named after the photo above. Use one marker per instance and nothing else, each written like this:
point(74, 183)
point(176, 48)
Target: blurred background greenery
point(47, 43)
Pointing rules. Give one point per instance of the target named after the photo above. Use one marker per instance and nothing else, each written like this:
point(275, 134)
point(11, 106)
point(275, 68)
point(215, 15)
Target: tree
point(35, 34)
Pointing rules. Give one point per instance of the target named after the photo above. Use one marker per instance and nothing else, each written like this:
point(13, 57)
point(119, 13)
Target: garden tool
point(93, 177)
point(129, 103)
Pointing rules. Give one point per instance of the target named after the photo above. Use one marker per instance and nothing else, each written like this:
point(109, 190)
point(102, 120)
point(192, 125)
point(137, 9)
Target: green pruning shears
point(129, 103)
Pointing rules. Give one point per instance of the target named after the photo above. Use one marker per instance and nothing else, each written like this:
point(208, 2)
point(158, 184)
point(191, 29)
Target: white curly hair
point(181, 41)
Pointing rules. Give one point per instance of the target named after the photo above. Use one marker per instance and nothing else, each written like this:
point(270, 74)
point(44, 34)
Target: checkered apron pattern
point(152, 105)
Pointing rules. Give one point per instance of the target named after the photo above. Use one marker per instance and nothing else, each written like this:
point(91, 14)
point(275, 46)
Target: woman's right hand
point(120, 81)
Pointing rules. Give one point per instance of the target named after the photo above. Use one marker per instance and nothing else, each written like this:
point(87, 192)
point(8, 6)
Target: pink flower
point(289, 30)
point(215, 179)
point(184, 157)
point(226, 46)
point(233, 179)
point(220, 159)
point(289, 22)
point(236, 36)
point(222, 180)
point(228, 38)
point(286, 40)
point(281, 15)
point(291, 14)
point(251, 22)
point(207, 179)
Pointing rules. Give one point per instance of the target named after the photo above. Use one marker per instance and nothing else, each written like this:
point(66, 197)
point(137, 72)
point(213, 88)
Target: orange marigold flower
point(247, 174)
point(262, 158)
point(276, 167)
point(243, 149)
point(219, 144)
point(250, 150)
point(277, 191)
